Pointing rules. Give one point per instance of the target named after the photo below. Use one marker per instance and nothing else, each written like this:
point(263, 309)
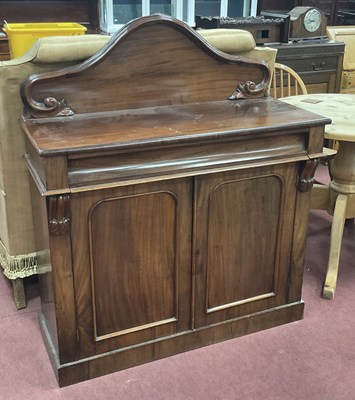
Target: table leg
point(335, 245)
point(342, 206)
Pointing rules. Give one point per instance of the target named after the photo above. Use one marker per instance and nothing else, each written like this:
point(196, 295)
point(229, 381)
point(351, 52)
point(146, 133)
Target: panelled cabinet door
point(132, 263)
point(243, 241)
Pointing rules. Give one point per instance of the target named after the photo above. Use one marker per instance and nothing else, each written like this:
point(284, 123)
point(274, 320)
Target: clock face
point(312, 20)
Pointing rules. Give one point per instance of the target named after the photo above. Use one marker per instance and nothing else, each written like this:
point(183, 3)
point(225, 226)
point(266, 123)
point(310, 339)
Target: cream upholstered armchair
point(17, 247)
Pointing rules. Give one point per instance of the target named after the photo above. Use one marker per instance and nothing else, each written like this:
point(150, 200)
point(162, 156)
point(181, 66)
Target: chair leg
point(19, 293)
point(335, 246)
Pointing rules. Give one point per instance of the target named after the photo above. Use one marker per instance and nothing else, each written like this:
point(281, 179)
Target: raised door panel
point(243, 241)
point(132, 264)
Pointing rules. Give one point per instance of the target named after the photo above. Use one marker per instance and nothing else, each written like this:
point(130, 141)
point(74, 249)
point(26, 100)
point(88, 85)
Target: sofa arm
point(61, 49)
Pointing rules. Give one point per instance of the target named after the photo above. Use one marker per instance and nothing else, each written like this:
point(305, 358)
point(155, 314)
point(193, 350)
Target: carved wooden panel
point(143, 257)
point(243, 237)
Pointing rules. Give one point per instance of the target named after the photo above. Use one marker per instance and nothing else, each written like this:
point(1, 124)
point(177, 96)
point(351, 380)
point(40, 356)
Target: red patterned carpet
point(312, 359)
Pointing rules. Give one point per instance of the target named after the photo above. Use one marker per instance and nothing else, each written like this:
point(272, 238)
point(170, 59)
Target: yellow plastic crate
point(22, 36)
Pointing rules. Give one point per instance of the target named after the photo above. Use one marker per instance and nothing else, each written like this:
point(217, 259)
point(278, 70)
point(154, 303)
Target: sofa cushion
point(59, 49)
point(232, 41)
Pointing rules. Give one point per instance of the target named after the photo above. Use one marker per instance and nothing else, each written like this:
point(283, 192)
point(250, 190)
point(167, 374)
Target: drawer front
point(4, 50)
point(325, 87)
point(348, 80)
point(119, 169)
point(312, 64)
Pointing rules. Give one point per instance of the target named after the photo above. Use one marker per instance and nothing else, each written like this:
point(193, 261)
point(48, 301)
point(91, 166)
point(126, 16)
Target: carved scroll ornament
point(59, 214)
point(306, 179)
point(246, 90)
point(49, 106)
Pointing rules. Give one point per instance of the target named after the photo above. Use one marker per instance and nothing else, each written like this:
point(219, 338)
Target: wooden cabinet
point(167, 218)
point(155, 229)
point(4, 49)
point(319, 63)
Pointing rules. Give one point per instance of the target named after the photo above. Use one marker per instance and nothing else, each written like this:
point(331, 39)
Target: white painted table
point(339, 197)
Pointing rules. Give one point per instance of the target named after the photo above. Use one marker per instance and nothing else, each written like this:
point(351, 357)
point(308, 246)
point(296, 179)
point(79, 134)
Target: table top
point(337, 106)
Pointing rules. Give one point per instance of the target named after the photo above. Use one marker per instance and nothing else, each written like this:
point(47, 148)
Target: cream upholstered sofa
point(239, 42)
point(17, 247)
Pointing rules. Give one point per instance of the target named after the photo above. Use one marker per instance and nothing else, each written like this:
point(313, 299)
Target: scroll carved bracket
point(247, 90)
point(49, 107)
point(306, 177)
point(58, 108)
point(59, 214)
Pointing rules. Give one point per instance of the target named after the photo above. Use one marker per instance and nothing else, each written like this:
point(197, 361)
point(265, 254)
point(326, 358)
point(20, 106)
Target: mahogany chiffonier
point(170, 199)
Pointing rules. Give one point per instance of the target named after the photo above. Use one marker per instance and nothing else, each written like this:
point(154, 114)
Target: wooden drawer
point(348, 82)
point(314, 64)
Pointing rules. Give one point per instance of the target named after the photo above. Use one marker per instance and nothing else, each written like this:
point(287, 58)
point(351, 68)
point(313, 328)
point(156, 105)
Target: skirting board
point(102, 364)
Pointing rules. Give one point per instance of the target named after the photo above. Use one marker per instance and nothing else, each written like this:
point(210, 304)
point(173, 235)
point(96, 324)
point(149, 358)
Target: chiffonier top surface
point(156, 83)
point(153, 127)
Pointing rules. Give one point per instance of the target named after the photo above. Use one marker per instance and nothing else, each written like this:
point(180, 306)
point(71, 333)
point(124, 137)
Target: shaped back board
point(152, 61)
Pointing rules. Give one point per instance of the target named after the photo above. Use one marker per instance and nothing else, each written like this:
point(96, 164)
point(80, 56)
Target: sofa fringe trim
point(19, 266)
